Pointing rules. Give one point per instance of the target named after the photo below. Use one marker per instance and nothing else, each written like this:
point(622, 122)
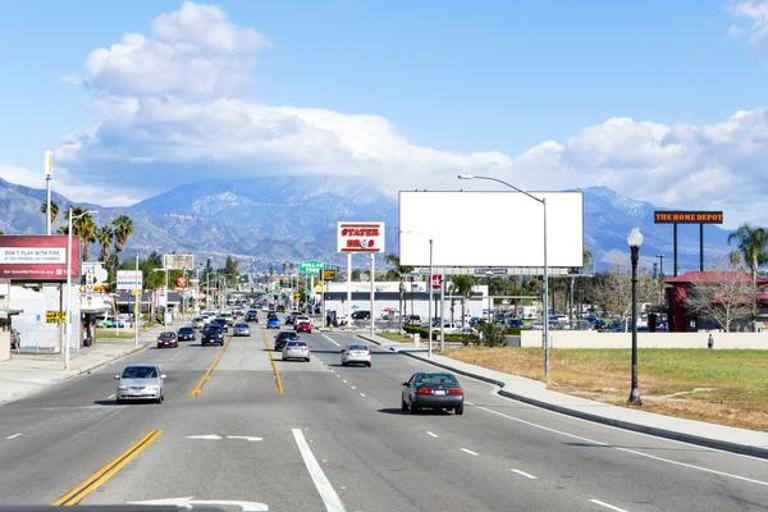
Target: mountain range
point(265, 221)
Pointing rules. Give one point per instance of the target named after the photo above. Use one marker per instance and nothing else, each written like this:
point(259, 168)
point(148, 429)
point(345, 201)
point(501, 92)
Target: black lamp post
point(635, 240)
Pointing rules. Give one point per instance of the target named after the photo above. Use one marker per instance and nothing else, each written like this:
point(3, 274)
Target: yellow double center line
point(270, 355)
point(198, 388)
point(100, 477)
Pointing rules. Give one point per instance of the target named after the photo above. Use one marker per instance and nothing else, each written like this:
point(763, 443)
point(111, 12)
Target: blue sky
point(445, 84)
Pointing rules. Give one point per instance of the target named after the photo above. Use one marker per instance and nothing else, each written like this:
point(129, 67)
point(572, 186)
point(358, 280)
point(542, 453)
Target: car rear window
point(357, 347)
point(437, 379)
point(140, 372)
point(186, 330)
point(296, 344)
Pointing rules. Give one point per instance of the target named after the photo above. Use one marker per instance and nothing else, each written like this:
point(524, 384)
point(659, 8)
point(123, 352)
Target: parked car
point(356, 354)
point(186, 334)
point(361, 315)
point(252, 316)
point(212, 334)
point(340, 320)
point(284, 337)
point(15, 339)
point(241, 329)
point(140, 382)
point(432, 391)
point(413, 320)
point(296, 349)
point(167, 339)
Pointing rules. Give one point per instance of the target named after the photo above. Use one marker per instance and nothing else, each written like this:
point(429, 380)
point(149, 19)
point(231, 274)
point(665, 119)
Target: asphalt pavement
point(263, 434)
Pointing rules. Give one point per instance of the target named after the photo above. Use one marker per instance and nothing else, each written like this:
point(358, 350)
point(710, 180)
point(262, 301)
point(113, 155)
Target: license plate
point(439, 392)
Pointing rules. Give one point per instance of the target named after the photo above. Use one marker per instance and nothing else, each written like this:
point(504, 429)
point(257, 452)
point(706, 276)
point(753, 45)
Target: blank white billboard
point(491, 229)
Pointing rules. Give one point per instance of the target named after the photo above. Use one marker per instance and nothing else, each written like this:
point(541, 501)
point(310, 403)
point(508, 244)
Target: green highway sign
point(311, 267)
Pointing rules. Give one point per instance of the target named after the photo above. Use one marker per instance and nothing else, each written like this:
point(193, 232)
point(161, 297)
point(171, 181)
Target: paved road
point(326, 437)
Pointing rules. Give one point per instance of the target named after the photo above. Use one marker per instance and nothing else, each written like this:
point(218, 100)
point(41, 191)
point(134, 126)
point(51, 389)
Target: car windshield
point(140, 372)
point(436, 379)
point(168, 335)
point(242, 326)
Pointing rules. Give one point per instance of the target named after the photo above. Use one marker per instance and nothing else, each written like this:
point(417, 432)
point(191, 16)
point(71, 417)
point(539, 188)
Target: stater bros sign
point(37, 257)
point(360, 237)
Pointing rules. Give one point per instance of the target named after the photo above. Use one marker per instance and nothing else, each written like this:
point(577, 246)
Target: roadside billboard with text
point(129, 280)
point(360, 237)
point(179, 261)
point(37, 257)
point(491, 229)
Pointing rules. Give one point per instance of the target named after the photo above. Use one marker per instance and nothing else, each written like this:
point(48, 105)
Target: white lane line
point(432, 434)
point(523, 473)
point(362, 395)
point(607, 505)
point(344, 381)
point(14, 436)
point(329, 339)
point(338, 376)
point(110, 397)
point(322, 484)
point(470, 452)
point(627, 450)
point(353, 387)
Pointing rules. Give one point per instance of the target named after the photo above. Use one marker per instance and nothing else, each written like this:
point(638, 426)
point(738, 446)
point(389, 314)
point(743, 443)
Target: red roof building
point(678, 288)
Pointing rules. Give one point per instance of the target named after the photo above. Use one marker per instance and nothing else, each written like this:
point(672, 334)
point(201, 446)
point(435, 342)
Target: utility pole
point(429, 284)
point(136, 298)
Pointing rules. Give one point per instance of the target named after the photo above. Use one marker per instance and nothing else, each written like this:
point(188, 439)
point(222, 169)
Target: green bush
point(493, 335)
point(513, 331)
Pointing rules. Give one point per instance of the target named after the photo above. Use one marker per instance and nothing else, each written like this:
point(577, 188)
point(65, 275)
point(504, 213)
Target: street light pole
point(545, 301)
point(635, 240)
point(48, 173)
point(68, 324)
point(429, 284)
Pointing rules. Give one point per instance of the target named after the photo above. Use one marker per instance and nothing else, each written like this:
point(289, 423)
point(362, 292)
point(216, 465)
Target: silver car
point(140, 382)
point(241, 329)
point(356, 354)
point(296, 350)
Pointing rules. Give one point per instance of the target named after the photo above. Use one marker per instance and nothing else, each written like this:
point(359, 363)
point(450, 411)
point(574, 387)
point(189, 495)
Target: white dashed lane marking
point(523, 473)
point(470, 452)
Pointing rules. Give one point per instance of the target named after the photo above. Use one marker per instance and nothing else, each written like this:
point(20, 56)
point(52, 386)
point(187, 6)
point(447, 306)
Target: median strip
point(198, 387)
point(100, 477)
point(278, 379)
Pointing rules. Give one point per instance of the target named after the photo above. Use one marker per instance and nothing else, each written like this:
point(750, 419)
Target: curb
point(743, 449)
point(395, 349)
point(96, 366)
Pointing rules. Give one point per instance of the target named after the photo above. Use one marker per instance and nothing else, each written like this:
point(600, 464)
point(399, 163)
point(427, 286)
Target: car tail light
point(456, 391)
point(424, 391)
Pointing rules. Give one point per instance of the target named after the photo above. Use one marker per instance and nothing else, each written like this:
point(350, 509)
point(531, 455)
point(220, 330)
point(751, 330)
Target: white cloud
point(158, 127)
point(754, 26)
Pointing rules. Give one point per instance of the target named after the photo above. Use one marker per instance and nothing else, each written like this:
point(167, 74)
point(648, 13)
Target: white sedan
point(356, 354)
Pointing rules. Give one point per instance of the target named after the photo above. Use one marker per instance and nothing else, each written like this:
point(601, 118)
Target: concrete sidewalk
point(25, 374)
point(739, 440)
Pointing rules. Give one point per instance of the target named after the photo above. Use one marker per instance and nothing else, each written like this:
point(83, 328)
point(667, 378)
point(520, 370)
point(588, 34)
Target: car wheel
point(307, 359)
point(368, 364)
point(413, 408)
point(343, 363)
point(403, 405)
point(460, 409)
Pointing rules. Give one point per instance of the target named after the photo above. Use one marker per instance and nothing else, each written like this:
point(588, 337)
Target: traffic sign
point(311, 267)
point(319, 288)
point(437, 281)
point(55, 317)
point(329, 274)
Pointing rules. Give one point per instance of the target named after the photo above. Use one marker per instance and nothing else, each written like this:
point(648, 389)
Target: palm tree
point(752, 242)
point(401, 271)
point(105, 235)
point(54, 210)
point(462, 285)
point(123, 230)
point(85, 228)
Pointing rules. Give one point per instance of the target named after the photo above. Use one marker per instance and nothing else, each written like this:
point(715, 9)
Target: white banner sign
point(32, 255)
point(129, 280)
point(360, 237)
point(179, 261)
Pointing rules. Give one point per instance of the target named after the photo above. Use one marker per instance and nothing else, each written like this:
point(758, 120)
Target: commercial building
point(414, 300)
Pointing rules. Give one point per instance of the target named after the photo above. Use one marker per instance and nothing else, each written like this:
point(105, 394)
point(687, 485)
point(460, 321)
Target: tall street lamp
point(543, 201)
point(635, 240)
point(68, 342)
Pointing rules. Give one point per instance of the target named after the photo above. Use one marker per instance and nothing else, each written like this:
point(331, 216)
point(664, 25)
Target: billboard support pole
point(348, 312)
point(442, 314)
point(674, 248)
point(701, 247)
point(136, 298)
point(429, 284)
point(373, 291)
point(547, 358)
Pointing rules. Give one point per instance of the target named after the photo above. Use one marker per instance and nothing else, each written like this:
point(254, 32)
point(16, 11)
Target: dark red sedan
point(167, 340)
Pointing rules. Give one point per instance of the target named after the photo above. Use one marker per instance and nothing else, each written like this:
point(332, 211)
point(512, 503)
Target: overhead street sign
point(311, 267)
